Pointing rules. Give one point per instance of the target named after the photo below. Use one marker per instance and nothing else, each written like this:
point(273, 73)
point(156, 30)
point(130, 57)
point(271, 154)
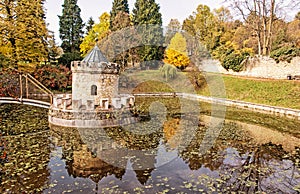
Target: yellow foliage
point(99, 31)
point(178, 59)
point(172, 132)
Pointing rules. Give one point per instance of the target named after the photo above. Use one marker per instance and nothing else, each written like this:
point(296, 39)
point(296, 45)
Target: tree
point(203, 25)
point(32, 32)
point(189, 24)
point(259, 17)
point(297, 16)
point(8, 30)
point(70, 26)
point(173, 27)
point(176, 54)
point(90, 24)
point(98, 32)
point(24, 32)
point(121, 24)
point(117, 7)
point(293, 31)
point(148, 21)
point(53, 50)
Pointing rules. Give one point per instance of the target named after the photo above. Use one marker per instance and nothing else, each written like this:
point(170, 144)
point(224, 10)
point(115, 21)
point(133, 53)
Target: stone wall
point(262, 67)
point(90, 119)
point(107, 86)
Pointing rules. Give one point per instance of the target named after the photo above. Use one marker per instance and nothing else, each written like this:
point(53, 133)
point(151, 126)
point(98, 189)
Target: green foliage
point(285, 53)
point(90, 24)
point(230, 56)
point(234, 61)
point(67, 58)
point(54, 77)
point(168, 71)
point(118, 6)
point(148, 21)
point(70, 26)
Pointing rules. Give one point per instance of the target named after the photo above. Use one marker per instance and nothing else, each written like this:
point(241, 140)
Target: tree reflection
point(98, 153)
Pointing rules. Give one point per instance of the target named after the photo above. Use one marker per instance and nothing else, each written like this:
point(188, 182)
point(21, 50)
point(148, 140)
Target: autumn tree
point(148, 22)
point(98, 32)
point(70, 26)
point(176, 54)
point(8, 30)
point(204, 26)
point(260, 17)
point(24, 32)
point(173, 27)
point(32, 32)
point(118, 6)
point(293, 31)
point(122, 52)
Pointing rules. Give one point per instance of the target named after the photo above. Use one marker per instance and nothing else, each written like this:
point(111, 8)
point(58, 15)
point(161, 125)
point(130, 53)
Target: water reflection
point(164, 159)
point(118, 160)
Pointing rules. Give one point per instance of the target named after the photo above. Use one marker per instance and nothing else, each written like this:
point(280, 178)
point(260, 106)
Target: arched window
point(94, 90)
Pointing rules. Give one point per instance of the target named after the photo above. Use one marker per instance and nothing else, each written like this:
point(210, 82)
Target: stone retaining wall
point(262, 67)
point(90, 119)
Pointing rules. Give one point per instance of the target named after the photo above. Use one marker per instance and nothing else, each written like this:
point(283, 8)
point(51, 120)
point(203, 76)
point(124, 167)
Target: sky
point(170, 9)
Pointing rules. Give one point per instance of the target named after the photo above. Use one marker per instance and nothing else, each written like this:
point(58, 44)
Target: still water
point(252, 152)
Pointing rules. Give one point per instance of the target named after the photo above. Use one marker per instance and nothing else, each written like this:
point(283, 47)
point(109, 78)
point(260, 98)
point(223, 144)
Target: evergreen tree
point(148, 21)
point(90, 24)
point(70, 26)
point(53, 50)
point(118, 6)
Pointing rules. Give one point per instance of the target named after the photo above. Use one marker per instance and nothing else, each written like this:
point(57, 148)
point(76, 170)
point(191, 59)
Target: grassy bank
point(284, 93)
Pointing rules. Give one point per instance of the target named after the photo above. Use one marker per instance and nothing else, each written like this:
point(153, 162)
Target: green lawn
point(284, 93)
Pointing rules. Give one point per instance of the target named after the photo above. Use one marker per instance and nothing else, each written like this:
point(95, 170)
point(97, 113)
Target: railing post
point(21, 87)
point(26, 86)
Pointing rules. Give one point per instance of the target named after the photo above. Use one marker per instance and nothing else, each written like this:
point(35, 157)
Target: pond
point(168, 151)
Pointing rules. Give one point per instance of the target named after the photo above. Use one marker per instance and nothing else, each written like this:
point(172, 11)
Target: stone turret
point(95, 83)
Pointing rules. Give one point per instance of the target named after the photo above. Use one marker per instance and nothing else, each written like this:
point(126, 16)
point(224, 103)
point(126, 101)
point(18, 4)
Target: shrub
point(168, 71)
point(285, 53)
point(230, 56)
point(54, 77)
point(178, 59)
point(234, 61)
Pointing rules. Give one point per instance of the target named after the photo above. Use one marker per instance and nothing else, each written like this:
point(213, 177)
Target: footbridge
point(20, 88)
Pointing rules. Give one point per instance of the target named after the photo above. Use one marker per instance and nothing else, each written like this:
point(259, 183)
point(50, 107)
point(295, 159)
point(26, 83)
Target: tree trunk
point(270, 27)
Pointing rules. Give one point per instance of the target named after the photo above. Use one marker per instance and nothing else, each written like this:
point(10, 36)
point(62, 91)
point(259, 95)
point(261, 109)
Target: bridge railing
point(28, 78)
point(22, 86)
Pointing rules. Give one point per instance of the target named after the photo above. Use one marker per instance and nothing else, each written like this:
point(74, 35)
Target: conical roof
point(95, 56)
